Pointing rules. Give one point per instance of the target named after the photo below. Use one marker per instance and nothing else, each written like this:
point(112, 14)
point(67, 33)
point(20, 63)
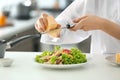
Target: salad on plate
point(60, 56)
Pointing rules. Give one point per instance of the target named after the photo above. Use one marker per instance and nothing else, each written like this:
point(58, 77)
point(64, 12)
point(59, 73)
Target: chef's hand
point(42, 23)
point(88, 22)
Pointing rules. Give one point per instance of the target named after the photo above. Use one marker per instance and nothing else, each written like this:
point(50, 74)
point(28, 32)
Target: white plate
point(61, 66)
point(67, 65)
point(112, 60)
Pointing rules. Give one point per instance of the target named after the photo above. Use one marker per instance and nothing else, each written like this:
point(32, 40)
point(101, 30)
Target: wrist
point(104, 24)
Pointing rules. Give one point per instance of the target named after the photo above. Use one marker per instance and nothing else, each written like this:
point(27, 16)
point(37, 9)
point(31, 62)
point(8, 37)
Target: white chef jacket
point(101, 42)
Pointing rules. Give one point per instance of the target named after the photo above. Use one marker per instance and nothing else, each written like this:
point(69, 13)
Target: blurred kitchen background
point(17, 18)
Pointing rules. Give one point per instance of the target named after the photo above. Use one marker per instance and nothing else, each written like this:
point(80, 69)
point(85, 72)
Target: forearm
point(111, 28)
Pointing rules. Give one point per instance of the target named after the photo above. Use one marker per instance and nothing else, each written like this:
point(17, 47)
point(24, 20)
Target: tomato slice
point(66, 51)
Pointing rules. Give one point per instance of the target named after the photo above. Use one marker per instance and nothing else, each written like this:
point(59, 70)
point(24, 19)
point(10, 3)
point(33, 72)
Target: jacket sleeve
point(76, 9)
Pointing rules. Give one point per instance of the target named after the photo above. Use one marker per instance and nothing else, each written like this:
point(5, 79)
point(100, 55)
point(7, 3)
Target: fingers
point(38, 28)
point(79, 25)
point(45, 20)
point(42, 24)
point(78, 19)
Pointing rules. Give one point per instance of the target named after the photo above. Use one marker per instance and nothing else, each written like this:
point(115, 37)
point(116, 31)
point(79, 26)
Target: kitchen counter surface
point(19, 26)
point(24, 68)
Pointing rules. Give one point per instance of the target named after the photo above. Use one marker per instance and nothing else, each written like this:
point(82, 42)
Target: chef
point(99, 19)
